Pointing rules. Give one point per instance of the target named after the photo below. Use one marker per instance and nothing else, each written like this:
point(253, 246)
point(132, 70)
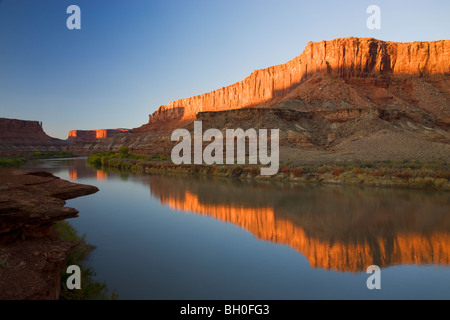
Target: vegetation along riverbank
point(413, 174)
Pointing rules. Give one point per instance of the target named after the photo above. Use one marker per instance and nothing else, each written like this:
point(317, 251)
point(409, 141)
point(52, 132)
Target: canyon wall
point(345, 58)
point(93, 135)
point(26, 136)
point(11, 128)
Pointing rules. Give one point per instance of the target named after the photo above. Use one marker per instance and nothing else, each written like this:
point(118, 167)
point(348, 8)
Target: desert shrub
point(377, 174)
point(403, 175)
point(367, 165)
point(285, 170)
point(51, 155)
point(431, 165)
point(124, 152)
point(95, 160)
point(222, 169)
point(440, 182)
point(12, 162)
point(157, 158)
point(426, 182)
point(325, 167)
point(442, 175)
point(236, 171)
point(91, 289)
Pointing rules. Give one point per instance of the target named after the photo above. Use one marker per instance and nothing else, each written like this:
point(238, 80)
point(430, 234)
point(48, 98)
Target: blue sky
point(131, 56)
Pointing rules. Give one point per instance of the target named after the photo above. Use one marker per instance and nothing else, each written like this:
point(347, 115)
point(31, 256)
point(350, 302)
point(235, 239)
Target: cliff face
point(343, 58)
point(93, 135)
point(352, 99)
point(12, 128)
point(26, 136)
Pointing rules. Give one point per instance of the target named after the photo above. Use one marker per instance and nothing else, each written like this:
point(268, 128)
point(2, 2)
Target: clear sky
point(131, 56)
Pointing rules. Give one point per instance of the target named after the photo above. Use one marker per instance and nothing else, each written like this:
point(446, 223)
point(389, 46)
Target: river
point(179, 237)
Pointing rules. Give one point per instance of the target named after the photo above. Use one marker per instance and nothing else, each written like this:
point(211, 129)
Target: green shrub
point(12, 162)
point(124, 152)
point(91, 289)
point(51, 155)
point(236, 171)
point(96, 160)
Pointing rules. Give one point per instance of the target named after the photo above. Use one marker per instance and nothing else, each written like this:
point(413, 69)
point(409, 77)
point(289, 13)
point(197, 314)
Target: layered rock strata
point(93, 135)
point(18, 136)
point(31, 256)
point(344, 58)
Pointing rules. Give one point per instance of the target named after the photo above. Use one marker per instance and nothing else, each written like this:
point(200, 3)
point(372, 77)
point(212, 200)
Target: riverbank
point(32, 253)
point(409, 174)
point(91, 289)
point(20, 159)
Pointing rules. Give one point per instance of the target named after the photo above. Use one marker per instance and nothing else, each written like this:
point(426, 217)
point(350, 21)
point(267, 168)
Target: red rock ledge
point(31, 255)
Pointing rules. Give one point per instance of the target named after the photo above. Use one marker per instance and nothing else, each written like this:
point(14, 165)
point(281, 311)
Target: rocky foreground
point(31, 255)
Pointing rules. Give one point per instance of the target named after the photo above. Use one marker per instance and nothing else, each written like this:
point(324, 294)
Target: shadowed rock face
point(26, 136)
point(31, 199)
point(343, 58)
point(31, 257)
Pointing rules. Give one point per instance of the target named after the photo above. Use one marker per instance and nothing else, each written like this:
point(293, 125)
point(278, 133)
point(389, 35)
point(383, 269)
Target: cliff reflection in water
point(342, 228)
point(99, 174)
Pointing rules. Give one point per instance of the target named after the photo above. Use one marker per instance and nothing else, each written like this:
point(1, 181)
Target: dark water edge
point(162, 237)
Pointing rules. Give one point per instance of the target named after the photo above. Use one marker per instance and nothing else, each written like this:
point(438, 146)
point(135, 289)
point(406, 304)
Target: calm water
point(161, 237)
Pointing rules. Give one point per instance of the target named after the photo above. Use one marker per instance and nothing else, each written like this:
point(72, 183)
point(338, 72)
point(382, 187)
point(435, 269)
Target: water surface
point(162, 237)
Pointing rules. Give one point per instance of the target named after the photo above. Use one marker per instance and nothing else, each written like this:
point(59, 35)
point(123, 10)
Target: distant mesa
point(23, 136)
point(18, 136)
point(93, 135)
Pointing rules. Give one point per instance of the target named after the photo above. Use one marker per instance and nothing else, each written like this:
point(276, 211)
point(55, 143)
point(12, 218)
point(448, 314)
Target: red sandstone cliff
point(343, 58)
point(12, 128)
point(93, 135)
point(26, 136)
point(32, 255)
point(353, 99)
